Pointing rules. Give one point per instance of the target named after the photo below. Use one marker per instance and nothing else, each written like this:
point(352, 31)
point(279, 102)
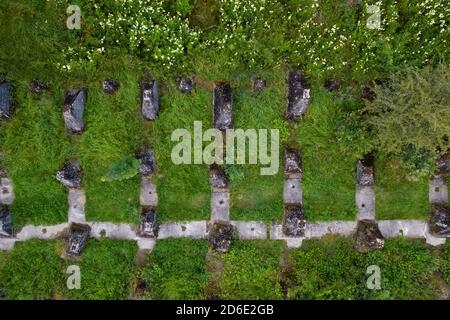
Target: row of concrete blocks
point(245, 230)
point(220, 228)
point(369, 237)
point(76, 98)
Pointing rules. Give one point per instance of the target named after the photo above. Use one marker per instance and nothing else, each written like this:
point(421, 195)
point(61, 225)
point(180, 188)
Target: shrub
point(123, 169)
point(411, 116)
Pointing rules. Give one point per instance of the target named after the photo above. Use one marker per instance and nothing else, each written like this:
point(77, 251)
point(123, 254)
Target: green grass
point(398, 195)
point(255, 196)
point(251, 271)
point(114, 130)
point(177, 270)
point(332, 269)
point(35, 145)
point(447, 261)
point(328, 170)
point(106, 267)
point(183, 190)
point(34, 270)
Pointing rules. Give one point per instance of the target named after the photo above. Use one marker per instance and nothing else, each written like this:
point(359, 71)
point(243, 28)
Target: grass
point(329, 170)
point(177, 270)
point(34, 270)
point(255, 196)
point(251, 271)
point(328, 268)
point(398, 196)
point(105, 266)
point(35, 146)
point(183, 190)
point(114, 129)
point(332, 269)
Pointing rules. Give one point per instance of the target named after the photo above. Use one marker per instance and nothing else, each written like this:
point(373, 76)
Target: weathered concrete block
point(146, 244)
point(121, 231)
point(149, 99)
point(185, 85)
point(5, 222)
point(294, 222)
point(368, 236)
point(438, 190)
point(218, 178)
point(7, 244)
point(439, 224)
point(148, 161)
point(220, 234)
point(73, 110)
point(148, 226)
point(79, 233)
point(43, 232)
point(258, 85)
point(332, 85)
point(292, 163)
point(220, 206)
point(365, 202)
point(222, 106)
point(298, 95)
point(443, 164)
point(250, 230)
point(292, 193)
point(110, 86)
point(365, 171)
point(77, 202)
point(70, 175)
point(149, 196)
point(368, 93)
point(320, 229)
point(6, 192)
point(405, 228)
point(38, 87)
point(193, 229)
point(5, 100)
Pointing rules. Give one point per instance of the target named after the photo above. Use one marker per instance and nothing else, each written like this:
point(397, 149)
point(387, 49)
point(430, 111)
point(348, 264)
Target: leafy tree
point(410, 116)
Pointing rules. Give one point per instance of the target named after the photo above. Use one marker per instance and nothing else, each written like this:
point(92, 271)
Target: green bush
point(123, 169)
point(410, 116)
